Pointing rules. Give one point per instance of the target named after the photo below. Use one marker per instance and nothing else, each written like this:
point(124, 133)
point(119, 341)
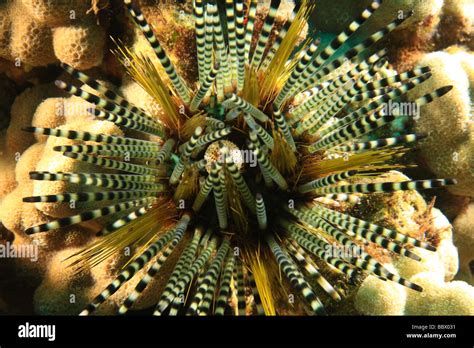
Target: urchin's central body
point(216, 151)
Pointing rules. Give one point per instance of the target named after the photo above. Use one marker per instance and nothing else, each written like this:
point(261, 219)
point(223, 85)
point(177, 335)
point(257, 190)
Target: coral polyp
point(243, 171)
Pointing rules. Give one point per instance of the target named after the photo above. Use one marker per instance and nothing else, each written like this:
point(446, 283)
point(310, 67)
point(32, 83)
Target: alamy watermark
point(26, 251)
point(344, 251)
point(240, 156)
point(410, 109)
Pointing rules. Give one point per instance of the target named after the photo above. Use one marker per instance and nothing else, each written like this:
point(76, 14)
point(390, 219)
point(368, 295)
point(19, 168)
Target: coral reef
point(434, 24)
point(449, 149)
point(408, 210)
point(111, 242)
point(440, 298)
point(41, 32)
point(464, 240)
point(379, 297)
point(441, 295)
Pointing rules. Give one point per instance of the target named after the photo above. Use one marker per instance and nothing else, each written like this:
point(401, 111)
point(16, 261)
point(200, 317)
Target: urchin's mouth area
point(244, 168)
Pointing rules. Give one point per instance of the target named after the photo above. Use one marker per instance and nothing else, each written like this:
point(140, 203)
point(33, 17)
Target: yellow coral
point(5, 31)
point(31, 42)
point(439, 298)
point(39, 32)
point(22, 112)
point(378, 297)
point(464, 240)
point(449, 149)
point(80, 45)
point(430, 262)
point(56, 12)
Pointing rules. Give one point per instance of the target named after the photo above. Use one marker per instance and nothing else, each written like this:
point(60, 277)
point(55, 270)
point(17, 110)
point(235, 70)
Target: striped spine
point(160, 53)
point(240, 183)
point(385, 82)
point(387, 186)
point(201, 303)
point(256, 296)
point(311, 268)
point(343, 219)
point(130, 271)
point(261, 132)
point(370, 122)
point(183, 264)
point(165, 151)
point(281, 36)
point(263, 160)
point(353, 130)
point(240, 285)
point(265, 34)
point(90, 196)
point(181, 227)
point(114, 226)
point(221, 49)
point(188, 149)
point(208, 40)
point(106, 92)
point(308, 65)
point(219, 197)
point(353, 116)
point(362, 261)
point(109, 106)
point(327, 180)
point(294, 276)
point(350, 54)
point(112, 181)
point(87, 136)
point(234, 101)
point(283, 126)
point(90, 149)
point(241, 43)
point(319, 248)
point(296, 73)
point(334, 85)
point(384, 142)
point(213, 136)
point(249, 28)
point(232, 36)
point(200, 28)
point(204, 191)
point(186, 277)
point(261, 212)
point(112, 164)
point(335, 44)
point(204, 88)
point(213, 123)
point(375, 238)
point(224, 286)
point(87, 216)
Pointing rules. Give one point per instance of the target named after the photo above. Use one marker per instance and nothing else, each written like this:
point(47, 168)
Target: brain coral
point(41, 32)
point(31, 41)
point(379, 297)
point(79, 45)
point(22, 113)
point(5, 31)
point(449, 148)
point(439, 298)
point(56, 12)
point(464, 240)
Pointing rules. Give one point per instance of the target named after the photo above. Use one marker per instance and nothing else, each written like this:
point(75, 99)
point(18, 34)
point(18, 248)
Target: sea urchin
point(269, 132)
